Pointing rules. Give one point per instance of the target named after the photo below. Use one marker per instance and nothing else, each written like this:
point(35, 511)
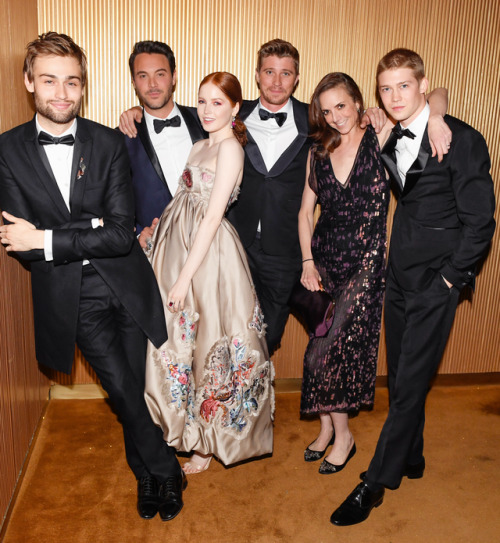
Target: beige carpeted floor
point(78, 488)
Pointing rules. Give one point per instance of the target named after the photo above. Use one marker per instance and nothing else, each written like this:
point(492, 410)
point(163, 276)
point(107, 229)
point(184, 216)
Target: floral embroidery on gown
point(348, 246)
point(209, 386)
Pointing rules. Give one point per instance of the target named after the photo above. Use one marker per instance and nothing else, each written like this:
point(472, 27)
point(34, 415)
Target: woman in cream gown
point(209, 386)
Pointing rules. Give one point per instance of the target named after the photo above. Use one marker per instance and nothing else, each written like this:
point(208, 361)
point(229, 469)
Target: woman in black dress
point(344, 255)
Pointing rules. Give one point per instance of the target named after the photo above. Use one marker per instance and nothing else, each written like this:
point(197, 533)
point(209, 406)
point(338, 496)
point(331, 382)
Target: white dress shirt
point(272, 140)
point(60, 158)
point(172, 147)
point(406, 148)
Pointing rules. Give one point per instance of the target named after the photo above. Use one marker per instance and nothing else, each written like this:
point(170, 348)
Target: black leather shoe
point(412, 471)
point(148, 497)
point(312, 456)
point(358, 505)
point(326, 468)
point(171, 496)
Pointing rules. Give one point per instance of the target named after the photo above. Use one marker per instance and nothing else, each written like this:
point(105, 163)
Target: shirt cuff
point(47, 245)
point(95, 223)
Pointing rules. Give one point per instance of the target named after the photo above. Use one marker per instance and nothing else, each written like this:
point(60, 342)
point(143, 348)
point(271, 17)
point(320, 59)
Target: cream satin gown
point(209, 387)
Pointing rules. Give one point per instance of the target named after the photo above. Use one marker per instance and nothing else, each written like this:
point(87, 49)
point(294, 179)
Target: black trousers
point(417, 326)
point(274, 277)
point(115, 347)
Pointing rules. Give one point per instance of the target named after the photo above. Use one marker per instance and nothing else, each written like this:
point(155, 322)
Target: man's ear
point(29, 84)
point(257, 78)
point(424, 85)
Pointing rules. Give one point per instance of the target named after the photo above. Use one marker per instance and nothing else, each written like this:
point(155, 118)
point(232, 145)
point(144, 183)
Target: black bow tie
point(400, 132)
point(265, 115)
point(47, 139)
point(159, 125)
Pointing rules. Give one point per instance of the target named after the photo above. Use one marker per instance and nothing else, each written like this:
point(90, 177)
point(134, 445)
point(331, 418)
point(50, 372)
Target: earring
point(233, 122)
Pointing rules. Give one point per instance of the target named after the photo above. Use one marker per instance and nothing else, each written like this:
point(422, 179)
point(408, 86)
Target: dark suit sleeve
point(116, 237)
point(475, 200)
point(12, 201)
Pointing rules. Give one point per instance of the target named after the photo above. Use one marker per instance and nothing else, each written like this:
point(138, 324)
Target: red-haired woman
point(209, 386)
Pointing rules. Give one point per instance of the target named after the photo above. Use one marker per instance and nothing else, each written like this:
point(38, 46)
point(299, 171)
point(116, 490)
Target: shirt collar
point(287, 108)
point(150, 118)
point(419, 124)
point(71, 130)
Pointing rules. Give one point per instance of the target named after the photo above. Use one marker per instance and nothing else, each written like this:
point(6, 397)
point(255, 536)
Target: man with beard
point(67, 204)
point(165, 139)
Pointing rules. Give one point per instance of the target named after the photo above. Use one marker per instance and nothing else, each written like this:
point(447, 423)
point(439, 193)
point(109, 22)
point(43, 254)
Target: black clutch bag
point(316, 308)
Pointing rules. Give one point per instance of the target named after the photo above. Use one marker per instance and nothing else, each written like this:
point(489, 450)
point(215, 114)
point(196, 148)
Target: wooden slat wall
point(458, 40)
point(23, 388)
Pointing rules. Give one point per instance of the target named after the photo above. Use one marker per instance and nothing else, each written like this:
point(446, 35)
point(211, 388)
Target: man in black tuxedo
point(266, 212)
point(67, 204)
point(442, 228)
point(165, 139)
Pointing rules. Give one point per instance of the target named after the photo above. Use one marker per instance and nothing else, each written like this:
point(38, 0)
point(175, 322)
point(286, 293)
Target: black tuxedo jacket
point(444, 218)
point(151, 191)
point(273, 197)
point(100, 187)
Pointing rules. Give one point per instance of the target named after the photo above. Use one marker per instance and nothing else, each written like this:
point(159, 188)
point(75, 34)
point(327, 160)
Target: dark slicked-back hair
point(152, 47)
point(278, 48)
point(52, 43)
point(402, 58)
point(321, 132)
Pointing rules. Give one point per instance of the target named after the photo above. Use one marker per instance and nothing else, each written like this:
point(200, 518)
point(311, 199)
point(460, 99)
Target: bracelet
point(307, 259)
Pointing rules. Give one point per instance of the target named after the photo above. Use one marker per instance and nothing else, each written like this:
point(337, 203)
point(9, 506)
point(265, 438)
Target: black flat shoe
point(171, 496)
point(358, 505)
point(148, 497)
point(326, 468)
point(412, 471)
point(312, 456)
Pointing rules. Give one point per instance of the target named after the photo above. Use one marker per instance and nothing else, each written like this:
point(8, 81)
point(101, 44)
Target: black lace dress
point(348, 246)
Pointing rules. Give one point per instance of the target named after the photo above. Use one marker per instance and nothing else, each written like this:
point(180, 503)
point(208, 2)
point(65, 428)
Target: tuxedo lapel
point(388, 155)
point(194, 128)
point(302, 123)
point(416, 169)
point(251, 148)
point(42, 169)
point(142, 131)
point(81, 159)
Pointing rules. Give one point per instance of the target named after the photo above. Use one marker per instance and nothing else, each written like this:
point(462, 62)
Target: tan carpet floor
point(78, 488)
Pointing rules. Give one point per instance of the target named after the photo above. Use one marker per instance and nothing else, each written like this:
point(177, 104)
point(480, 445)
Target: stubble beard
point(57, 117)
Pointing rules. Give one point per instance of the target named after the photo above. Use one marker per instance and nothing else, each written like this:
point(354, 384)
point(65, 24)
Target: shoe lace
point(167, 487)
point(148, 485)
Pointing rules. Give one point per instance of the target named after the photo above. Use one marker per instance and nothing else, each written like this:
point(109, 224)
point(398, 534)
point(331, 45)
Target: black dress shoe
point(326, 468)
point(412, 471)
point(148, 497)
point(171, 496)
point(358, 505)
point(312, 456)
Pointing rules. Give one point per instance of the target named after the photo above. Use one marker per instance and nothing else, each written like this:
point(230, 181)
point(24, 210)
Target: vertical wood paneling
point(23, 388)
point(458, 40)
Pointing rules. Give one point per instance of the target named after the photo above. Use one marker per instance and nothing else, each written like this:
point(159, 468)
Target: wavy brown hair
point(231, 88)
point(59, 45)
point(326, 137)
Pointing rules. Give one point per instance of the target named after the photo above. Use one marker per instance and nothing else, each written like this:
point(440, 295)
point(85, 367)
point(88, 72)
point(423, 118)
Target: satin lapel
point(302, 123)
point(251, 148)
point(142, 131)
point(416, 169)
point(388, 155)
point(195, 130)
point(79, 171)
point(43, 171)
